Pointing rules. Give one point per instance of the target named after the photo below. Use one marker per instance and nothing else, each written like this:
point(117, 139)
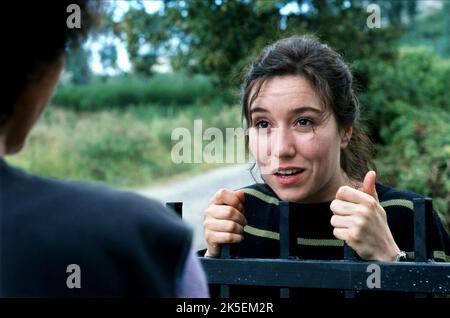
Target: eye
point(305, 122)
point(262, 124)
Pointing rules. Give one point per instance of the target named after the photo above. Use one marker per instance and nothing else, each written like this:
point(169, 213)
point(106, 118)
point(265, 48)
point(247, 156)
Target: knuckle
point(227, 238)
point(333, 220)
point(209, 236)
point(221, 192)
point(354, 235)
point(344, 189)
point(348, 188)
point(231, 227)
point(209, 211)
point(333, 205)
point(229, 212)
point(360, 222)
point(364, 214)
point(335, 232)
point(216, 238)
point(208, 224)
point(372, 203)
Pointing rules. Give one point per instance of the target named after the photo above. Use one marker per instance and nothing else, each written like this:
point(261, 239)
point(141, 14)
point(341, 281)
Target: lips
point(287, 170)
point(288, 175)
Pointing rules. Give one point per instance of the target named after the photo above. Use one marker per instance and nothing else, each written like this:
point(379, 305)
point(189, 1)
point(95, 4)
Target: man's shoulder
point(83, 204)
point(123, 242)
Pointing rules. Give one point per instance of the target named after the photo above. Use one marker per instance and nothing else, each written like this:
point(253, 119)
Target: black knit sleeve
point(439, 240)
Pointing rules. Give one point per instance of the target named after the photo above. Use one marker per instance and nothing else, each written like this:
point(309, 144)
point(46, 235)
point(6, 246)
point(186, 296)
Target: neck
point(339, 180)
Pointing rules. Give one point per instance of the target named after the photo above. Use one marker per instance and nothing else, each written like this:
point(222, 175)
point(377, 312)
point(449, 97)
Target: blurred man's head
point(35, 37)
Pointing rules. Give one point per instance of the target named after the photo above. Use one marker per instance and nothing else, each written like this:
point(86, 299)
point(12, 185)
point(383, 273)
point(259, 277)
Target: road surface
point(196, 191)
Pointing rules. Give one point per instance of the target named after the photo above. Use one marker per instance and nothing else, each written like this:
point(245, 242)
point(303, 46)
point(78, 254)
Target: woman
point(303, 119)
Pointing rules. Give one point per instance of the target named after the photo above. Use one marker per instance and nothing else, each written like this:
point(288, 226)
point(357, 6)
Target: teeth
point(286, 172)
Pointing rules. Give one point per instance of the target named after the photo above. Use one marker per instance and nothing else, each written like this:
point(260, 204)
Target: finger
point(223, 226)
point(369, 184)
point(227, 197)
point(346, 193)
point(213, 237)
point(225, 212)
point(340, 207)
point(340, 234)
point(213, 250)
point(343, 222)
point(240, 195)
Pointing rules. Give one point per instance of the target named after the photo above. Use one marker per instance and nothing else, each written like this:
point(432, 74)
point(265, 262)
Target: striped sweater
point(315, 239)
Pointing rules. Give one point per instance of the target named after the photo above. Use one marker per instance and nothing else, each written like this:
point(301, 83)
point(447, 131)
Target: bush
point(417, 154)
point(162, 89)
point(418, 78)
point(408, 104)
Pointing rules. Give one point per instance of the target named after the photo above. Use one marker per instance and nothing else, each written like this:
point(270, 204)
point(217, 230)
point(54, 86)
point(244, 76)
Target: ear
point(346, 135)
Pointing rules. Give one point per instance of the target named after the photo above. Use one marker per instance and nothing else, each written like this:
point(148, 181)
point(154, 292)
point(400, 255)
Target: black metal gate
point(422, 277)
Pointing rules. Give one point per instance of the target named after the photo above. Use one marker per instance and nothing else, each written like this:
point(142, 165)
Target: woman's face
point(295, 142)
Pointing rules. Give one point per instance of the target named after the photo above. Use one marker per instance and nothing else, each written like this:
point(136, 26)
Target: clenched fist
point(224, 220)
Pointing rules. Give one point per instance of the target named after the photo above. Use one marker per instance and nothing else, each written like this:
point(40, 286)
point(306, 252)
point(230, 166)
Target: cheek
point(318, 147)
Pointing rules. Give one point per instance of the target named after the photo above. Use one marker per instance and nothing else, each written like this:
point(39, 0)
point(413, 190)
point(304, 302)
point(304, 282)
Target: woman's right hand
point(224, 220)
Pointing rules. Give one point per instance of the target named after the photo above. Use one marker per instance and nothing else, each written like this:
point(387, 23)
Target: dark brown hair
point(36, 34)
point(333, 82)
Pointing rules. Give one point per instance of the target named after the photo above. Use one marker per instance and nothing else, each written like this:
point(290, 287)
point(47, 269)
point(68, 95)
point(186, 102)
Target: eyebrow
point(297, 110)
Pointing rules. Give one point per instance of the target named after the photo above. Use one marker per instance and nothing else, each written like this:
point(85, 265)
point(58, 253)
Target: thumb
point(369, 184)
point(240, 196)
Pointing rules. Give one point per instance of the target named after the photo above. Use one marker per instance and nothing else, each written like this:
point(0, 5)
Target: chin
point(293, 195)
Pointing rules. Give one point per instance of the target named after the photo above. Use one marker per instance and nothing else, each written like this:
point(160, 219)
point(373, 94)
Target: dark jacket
point(122, 243)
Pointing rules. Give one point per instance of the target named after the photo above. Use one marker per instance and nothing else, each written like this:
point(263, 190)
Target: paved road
point(196, 192)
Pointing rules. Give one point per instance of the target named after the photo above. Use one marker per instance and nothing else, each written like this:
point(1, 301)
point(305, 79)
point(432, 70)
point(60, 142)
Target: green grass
point(123, 147)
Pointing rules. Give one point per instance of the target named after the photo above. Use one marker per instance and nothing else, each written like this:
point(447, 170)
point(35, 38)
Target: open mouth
point(289, 177)
point(288, 173)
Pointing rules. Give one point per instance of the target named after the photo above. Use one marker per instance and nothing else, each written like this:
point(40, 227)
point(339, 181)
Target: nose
point(283, 143)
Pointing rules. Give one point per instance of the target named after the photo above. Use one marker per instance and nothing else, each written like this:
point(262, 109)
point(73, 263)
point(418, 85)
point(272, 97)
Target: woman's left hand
point(361, 222)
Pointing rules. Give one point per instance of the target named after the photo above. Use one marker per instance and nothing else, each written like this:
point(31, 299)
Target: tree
point(77, 65)
point(144, 35)
point(220, 37)
point(108, 56)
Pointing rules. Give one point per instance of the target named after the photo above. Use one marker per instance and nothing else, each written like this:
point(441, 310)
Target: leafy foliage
point(163, 89)
point(417, 154)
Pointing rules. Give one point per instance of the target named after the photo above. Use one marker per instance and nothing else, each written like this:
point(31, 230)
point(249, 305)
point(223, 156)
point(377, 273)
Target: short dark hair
point(35, 33)
point(333, 82)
